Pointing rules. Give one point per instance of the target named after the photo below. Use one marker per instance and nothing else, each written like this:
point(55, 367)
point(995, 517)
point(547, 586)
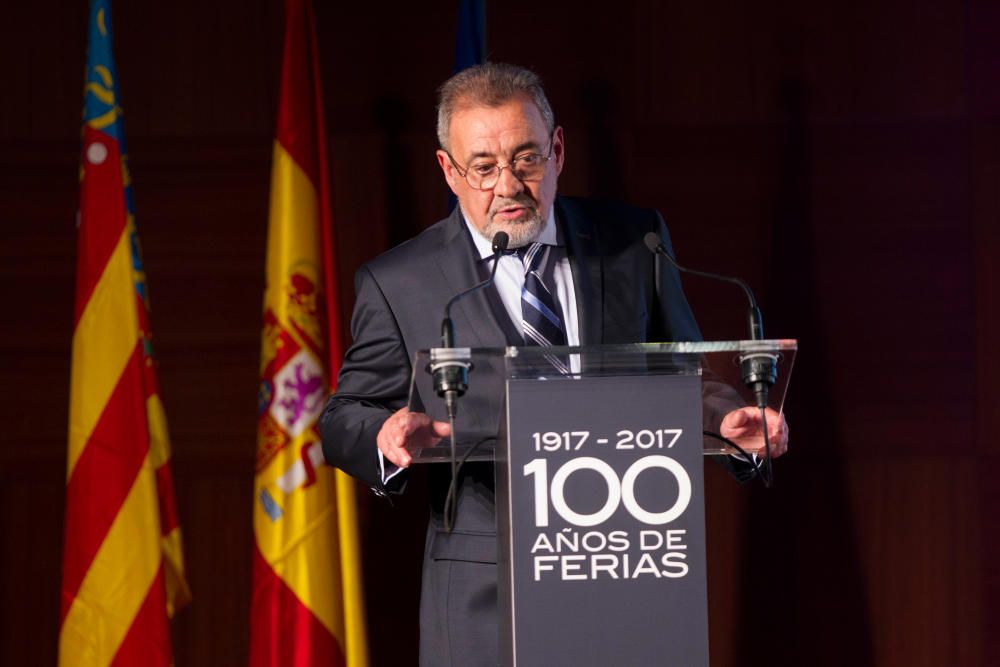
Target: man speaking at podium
point(582, 276)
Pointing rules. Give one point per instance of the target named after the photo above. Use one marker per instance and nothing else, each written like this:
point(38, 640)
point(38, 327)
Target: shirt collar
point(550, 235)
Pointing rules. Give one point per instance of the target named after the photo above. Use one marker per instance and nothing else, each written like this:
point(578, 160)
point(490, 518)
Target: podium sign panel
point(601, 522)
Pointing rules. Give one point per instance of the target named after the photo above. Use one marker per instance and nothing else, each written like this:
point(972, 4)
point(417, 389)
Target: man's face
point(498, 135)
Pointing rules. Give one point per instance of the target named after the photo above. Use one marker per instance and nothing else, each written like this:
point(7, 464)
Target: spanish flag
point(307, 604)
point(123, 571)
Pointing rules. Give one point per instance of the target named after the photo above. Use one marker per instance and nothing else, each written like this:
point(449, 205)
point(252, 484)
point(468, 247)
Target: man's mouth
point(511, 212)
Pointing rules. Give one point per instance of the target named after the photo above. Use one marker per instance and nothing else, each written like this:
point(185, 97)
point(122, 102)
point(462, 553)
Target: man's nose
point(508, 184)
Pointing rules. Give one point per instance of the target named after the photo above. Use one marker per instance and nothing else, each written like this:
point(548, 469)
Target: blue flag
point(470, 41)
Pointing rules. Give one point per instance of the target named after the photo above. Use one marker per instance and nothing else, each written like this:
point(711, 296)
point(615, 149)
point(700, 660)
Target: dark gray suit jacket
point(623, 296)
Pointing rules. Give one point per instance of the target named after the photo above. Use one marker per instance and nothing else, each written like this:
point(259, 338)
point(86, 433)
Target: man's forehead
point(480, 128)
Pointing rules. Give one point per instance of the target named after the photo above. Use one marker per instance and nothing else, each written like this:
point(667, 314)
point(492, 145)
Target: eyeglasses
point(485, 175)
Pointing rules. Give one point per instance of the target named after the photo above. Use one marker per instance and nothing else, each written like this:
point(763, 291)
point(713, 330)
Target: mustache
point(524, 199)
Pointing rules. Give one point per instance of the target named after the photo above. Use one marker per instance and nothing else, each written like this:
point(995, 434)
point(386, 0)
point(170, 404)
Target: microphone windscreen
point(500, 241)
point(652, 240)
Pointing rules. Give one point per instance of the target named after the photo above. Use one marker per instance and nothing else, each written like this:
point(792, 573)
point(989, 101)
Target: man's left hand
point(743, 427)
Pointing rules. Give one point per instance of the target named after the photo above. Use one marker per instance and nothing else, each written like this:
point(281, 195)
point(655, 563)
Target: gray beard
point(520, 233)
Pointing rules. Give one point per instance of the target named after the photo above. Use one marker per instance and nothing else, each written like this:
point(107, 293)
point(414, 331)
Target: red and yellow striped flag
point(123, 571)
point(307, 604)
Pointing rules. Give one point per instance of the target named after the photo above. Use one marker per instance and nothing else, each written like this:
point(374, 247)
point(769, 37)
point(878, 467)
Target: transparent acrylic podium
point(481, 410)
point(599, 489)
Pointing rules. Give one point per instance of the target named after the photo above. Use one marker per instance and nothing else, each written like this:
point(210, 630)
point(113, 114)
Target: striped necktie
point(542, 320)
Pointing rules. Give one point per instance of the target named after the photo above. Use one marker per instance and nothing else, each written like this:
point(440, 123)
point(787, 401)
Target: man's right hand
point(409, 429)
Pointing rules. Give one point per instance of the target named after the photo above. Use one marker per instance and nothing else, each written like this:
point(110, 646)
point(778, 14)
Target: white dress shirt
point(510, 277)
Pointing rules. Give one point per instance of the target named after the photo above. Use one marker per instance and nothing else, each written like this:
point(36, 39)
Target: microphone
point(759, 370)
point(450, 367)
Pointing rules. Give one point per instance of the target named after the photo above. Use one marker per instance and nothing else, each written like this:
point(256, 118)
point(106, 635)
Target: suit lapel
point(583, 248)
point(475, 323)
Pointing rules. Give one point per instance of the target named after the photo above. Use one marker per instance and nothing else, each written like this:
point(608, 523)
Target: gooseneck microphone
point(754, 320)
point(450, 368)
point(759, 370)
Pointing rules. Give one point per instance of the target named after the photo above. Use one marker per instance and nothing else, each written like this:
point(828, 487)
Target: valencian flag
point(123, 572)
point(307, 605)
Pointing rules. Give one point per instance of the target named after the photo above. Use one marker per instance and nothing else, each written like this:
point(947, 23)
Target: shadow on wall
point(393, 532)
point(605, 172)
point(803, 601)
point(393, 118)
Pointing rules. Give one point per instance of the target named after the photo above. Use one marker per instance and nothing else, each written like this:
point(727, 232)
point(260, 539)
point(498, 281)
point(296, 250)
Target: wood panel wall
point(843, 157)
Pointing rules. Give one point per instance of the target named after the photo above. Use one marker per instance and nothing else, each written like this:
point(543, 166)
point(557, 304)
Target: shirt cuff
point(389, 473)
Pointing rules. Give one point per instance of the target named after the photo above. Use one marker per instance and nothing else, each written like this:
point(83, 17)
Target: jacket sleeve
point(373, 383)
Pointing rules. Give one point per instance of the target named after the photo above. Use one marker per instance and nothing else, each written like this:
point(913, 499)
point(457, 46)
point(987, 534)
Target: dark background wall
point(843, 156)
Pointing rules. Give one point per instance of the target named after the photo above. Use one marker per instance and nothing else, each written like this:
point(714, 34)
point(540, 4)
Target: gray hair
point(489, 85)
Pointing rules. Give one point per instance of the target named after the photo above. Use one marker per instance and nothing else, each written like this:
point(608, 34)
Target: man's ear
point(558, 149)
point(449, 171)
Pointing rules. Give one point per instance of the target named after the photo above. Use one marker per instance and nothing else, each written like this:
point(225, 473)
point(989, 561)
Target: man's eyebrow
point(519, 149)
point(480, 154)
point(525, 146)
